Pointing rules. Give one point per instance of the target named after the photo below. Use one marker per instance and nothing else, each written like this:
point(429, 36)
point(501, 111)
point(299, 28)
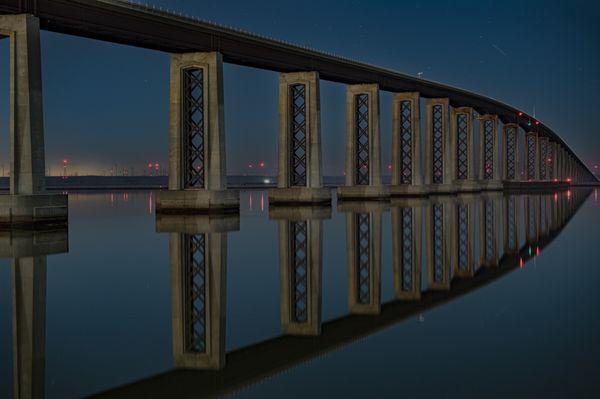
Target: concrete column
point(512, 225)
point(463, 236)
point(489, 155)
point(543, 158)
point(553, 160)
point(439, 241)
point(363, 147)
point(489, 229)
point(439, 161)
point(299, 179)
point(27, 202)
point(197, 168)
point(462, 148)
point(300, 267)
point(511, 168)
point(198, 258)
point(407, 177)
point(363, 249)
point(532, 170)
point(560, 163)
point(406, 247)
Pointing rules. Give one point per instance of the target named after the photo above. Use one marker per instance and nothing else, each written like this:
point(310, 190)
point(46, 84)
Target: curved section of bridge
point(512, 149)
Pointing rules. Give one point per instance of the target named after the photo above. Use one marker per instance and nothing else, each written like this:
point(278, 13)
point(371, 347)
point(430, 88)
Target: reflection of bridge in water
point(470, 241)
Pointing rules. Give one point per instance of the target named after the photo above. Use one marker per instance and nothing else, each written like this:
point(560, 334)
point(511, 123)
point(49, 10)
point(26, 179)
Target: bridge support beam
point(406, 247)
point(462, 149)
point(532, 170)
point(543, 144)
point(197, 169)
point(300, 265)
point(363, 249)
point(407, 178)
point(198, 257)
point(489, 172)
point(439, 162)
point(510, 140)
point(299, 179)
point(552, 175)
point(363, 147)
point(27, 203)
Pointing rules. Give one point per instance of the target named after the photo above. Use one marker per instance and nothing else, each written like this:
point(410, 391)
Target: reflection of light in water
point(266, 181)
point(596, 195)
point(250, 201)
point(521, 263)
point(126, 197)
point(555, 197)
point(262, 202)
point(151, 202)
point(112, 200)
point(537, 251)
point(569, 194)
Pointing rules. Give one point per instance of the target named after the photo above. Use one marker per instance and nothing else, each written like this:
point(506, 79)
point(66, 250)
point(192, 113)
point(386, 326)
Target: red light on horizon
point(262, 164)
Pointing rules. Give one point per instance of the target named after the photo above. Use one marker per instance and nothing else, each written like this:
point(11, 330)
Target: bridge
point(471, 142)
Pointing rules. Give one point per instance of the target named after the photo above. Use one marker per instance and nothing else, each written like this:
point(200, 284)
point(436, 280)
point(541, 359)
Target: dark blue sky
point(107, 103)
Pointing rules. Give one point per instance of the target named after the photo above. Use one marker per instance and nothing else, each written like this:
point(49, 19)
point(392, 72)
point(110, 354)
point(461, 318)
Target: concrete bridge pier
point(197, 168)
point(439, 161)
point(363, 145)
point(489, 229)
point(532, 158)
point(27, 203)
point(407, 178)
point(439, 242)
point(552, 160)
point(463, 237)
point(300, 179)
point(543, 144)
point(300, 266)
point(406, 247)
point(489, 173)
point(363, 249)
point(463, 149)
point(510, 146)
point(511, 217)
point(198, 262)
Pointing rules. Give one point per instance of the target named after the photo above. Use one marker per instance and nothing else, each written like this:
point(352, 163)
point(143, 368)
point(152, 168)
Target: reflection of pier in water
point(28, 251)
point(467, 225)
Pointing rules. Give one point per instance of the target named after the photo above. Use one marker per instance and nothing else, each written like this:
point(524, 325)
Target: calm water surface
point(378, 300)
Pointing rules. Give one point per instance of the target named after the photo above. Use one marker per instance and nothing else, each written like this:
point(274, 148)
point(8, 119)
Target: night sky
point(107, 104)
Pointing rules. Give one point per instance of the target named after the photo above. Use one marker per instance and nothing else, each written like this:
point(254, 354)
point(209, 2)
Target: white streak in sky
point(499, 50)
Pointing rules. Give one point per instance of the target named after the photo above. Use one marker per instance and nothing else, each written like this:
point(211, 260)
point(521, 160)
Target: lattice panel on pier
point(462, 146)
point(488, 150)
point(299, 272)
point(531, 154)
point(362, 138)
point(298, 133)
point(543, 157)
point(406, 133)
point(511, 222)
point(511, 156)
point(193, 128)
point(438, 144)
point(195, 278)
point(363, 257)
